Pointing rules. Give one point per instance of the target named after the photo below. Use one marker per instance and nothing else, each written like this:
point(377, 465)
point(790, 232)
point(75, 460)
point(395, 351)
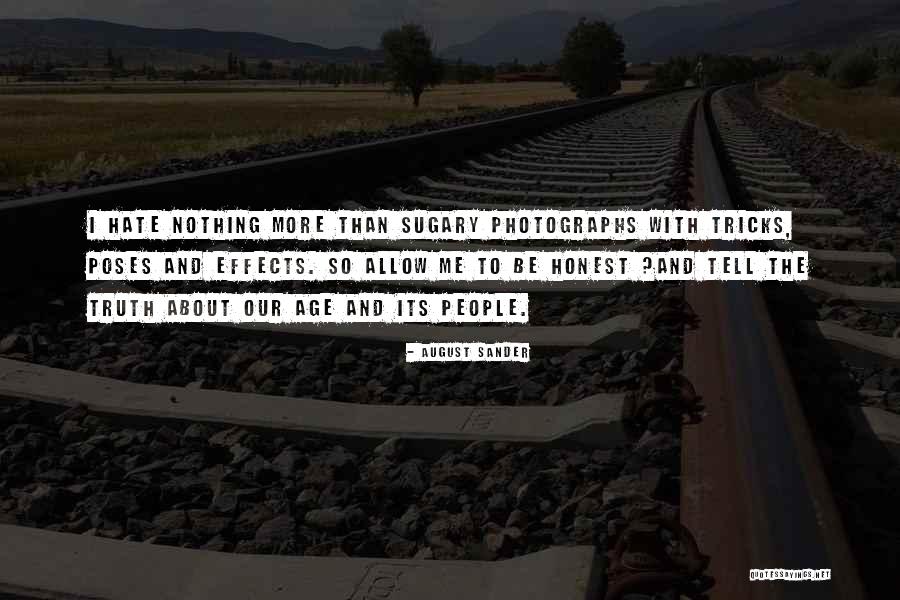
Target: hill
point(646, 32)
point(785, 29)
point(746, 27)
point(653, 34)
point(807, 24)
point(80, 40)
point(539, 36)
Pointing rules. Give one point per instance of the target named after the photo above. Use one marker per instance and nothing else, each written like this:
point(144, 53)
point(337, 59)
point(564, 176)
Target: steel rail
point(753, 488)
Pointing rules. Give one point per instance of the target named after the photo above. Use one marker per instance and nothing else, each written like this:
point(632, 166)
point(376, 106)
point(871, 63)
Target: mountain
point(806, 24)
point(539, 36)
point(652, 35)
point(756, 27)
point(647, 34)
point(790, 28)
point(77, 40)
point(528, 38)
point(618, 10)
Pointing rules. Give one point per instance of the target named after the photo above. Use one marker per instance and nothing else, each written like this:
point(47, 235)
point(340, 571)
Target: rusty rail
point(753, 490)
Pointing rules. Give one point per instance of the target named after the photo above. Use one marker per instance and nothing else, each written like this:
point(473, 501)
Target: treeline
point(859, 66)
point(713, 69)
point(235, 67)
point(309, 73)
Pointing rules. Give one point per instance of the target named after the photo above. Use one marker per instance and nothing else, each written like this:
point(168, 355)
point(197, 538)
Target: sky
point(331, 23)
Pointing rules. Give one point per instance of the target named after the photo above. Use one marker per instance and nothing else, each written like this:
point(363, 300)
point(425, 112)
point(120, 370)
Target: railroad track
point(566, 477)
point(837, 328)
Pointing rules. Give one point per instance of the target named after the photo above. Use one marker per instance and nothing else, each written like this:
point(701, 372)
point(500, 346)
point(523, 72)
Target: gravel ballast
point(864, 185)
point(235, 491)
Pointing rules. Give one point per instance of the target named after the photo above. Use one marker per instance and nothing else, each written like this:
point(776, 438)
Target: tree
point(892, 59)
point(593, 62)
point(411, 61)
point(718, 70)
point(331, 75)
point(854, 68)
point(817, 63)
point(672, 74)
point(264, 69)
point(299, 73)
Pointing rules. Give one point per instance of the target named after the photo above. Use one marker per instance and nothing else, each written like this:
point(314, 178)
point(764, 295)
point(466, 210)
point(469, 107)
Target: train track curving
point(656, 445)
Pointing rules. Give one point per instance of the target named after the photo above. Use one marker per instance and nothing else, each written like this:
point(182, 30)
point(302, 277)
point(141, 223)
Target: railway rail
point(623, 461)
point(835, 328)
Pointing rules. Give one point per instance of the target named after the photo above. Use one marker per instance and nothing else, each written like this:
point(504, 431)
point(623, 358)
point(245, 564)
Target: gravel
point(231, 490)
point(864, 185)
point(334, 370)
point(864, 478)
point(343, 370)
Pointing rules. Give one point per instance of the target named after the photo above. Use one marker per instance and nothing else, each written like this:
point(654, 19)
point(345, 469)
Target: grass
point(868, 116)
point(55, 136)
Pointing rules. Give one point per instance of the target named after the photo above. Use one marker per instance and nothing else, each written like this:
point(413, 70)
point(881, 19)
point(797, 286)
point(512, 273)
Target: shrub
point(854, 68)
point(891, 60)
point(819, 64)
point(672, 74)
